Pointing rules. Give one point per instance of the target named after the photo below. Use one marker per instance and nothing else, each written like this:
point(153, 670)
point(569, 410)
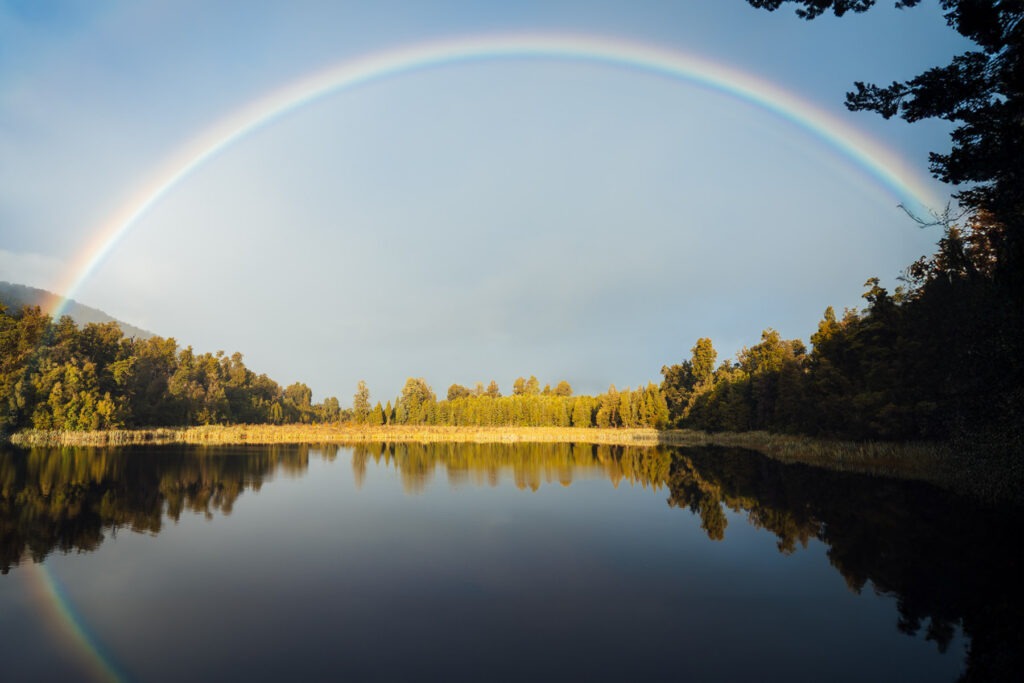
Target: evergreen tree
point(703, 360)
point(416, 404)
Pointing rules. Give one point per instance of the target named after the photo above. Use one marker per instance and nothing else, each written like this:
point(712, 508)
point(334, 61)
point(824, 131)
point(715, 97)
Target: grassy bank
point(333, 433)
point(975, 471)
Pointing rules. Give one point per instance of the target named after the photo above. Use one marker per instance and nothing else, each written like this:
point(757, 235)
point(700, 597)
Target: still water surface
point(484, 562)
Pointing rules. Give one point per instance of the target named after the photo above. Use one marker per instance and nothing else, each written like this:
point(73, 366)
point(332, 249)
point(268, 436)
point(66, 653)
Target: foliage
point(54, 375)
point(528, 406)
point(361, 403)
point(899, 369)
point(941, 358)
point(982, 91)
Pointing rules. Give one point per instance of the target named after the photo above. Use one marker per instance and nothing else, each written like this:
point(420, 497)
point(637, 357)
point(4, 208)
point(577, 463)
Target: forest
point(55, 375)
point(940, 357)
point(927, 361)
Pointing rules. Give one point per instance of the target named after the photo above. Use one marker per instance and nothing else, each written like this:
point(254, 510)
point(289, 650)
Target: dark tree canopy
point(982, 91)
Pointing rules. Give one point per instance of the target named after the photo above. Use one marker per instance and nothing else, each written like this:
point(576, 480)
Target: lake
point(493, 562)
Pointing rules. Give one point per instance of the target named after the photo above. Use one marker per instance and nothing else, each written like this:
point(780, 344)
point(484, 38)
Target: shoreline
point(971, 473)
point(255, 434)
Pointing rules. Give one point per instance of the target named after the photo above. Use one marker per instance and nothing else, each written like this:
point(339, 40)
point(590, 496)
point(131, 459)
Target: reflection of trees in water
point(64, 499)
point(947, 561)
point(531, 465)
point(944, 559)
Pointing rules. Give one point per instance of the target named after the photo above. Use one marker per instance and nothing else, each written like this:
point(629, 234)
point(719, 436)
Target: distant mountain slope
point(15, 296)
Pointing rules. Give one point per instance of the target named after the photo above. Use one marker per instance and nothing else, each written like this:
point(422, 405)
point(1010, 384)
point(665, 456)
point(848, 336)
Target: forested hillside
point(55, 375)
point(18, 296)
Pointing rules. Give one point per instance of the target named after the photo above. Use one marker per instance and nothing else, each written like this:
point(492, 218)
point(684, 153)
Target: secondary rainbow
point(884, 167)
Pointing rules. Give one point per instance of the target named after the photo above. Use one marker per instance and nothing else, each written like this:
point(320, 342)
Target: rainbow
point(70, 627)
point(884, 167)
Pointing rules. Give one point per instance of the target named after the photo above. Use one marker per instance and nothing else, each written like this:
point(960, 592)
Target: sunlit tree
point(361, 403)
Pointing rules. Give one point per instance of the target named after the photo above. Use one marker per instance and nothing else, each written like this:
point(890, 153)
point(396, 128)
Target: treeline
point(528, 406)
point(940, 357)
point(55, 375)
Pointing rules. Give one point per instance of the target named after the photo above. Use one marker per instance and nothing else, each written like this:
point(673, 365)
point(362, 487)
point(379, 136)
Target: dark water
point(484, 562)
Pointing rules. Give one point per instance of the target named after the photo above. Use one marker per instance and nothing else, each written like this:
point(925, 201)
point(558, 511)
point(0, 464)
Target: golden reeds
point(938, 463)
point(333, 433)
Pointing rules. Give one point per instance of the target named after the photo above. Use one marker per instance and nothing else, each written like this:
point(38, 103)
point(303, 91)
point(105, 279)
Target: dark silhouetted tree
point(982, 91)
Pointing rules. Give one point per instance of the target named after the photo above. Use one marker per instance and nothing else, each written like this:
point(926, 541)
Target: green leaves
point(54, 375)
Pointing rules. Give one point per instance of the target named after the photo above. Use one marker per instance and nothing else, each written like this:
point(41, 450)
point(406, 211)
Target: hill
point(15, 296)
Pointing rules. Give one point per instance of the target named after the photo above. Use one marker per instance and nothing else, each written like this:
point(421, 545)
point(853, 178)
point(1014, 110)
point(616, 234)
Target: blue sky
point(465, 222)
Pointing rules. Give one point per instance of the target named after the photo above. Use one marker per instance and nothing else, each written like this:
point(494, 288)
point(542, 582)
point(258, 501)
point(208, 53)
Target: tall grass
point(333, 433)
point(964, 469)
point(907, 460)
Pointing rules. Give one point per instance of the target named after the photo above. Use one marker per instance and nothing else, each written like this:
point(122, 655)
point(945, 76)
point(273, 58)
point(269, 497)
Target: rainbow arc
point(884, 168)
